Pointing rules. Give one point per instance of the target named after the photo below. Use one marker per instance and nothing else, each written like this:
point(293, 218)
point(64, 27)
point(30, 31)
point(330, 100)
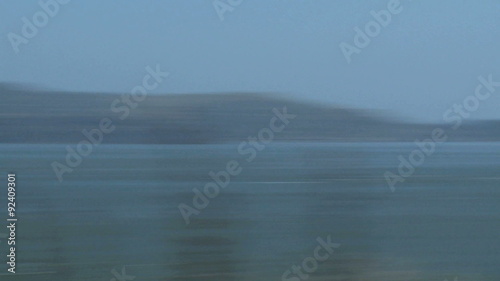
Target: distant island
point(38, 116)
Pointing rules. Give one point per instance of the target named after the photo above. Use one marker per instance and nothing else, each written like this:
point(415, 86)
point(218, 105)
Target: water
point(119, 209)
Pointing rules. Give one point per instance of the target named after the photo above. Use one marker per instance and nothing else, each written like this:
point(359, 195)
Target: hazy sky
point(426, 59)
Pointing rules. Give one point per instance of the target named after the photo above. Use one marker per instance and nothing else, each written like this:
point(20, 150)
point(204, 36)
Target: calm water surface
point(119, 209)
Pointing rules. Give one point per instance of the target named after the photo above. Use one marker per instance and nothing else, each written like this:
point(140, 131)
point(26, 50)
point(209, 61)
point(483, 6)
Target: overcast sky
point(426, 59)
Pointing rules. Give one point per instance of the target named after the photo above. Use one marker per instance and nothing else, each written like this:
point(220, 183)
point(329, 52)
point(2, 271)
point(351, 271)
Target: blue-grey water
point(119, 210)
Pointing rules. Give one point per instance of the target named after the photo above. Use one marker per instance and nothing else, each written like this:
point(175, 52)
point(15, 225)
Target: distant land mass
point(40, 116)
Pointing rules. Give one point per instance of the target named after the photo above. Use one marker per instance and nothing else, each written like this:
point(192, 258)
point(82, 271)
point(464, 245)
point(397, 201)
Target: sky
point(427, 58)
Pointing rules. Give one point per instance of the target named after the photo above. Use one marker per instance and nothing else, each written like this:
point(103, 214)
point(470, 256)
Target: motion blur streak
point(322, 176)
